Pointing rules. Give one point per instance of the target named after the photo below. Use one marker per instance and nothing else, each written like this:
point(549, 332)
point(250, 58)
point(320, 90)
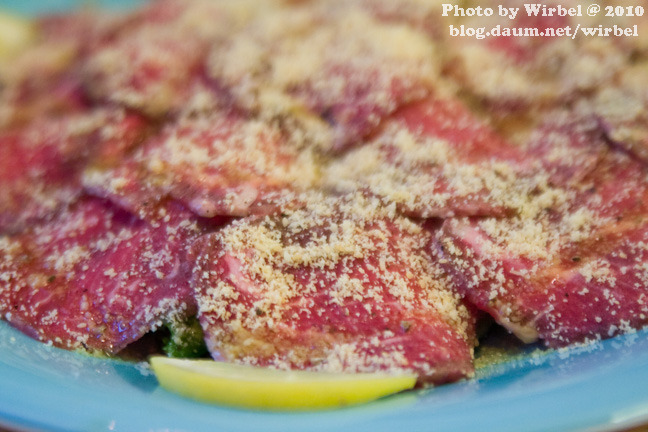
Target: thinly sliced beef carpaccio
point(572, 268)
point(523, 70)
point(221, 164)
point(567, 144)
point(156, 64)
point(341, 284)
point(434, 158)
point(97, 278)
point(41, 163)
point(338, 62)
point(150, 70)
point(385, 182)
point(419, 15)
point(623, 111)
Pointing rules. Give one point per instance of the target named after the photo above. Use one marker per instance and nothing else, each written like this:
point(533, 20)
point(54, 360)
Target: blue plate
point(600, 387)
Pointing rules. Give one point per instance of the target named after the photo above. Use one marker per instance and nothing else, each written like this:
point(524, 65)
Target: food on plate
point(433, 158)
point(573, 268)
point(97, 278)
point(52, 154)
point(340, 284)
point(622, 109)
point(337, 60)
point(526, 71)
point(339, 188)
point(262, 388)
point(217, 164)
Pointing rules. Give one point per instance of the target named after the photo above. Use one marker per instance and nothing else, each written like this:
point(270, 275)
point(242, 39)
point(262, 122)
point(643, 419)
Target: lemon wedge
point(263, 388)
point(15, 34)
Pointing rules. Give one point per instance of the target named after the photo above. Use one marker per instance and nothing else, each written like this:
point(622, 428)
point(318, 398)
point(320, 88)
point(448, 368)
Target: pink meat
point(359, 108)
point(39, 96)
point(339, 286)
point(572, 269)
point(420, 15)
point(148, 70)
point(221, 164)
point(623, 111)
point(155, 63)
point(532, 70)
point(568, 145)
point(434, 158)
point(40, 164)
point(629, 133)
point(346, 70)
point(97, 278)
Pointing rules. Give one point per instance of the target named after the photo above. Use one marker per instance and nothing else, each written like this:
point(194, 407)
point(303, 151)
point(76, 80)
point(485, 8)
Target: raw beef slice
point(434, 158)
point(572, 268)
point(337, 61)
point(97, 278)
point(340, 285)
point(523, 71)
point(41, 163)
point(218, 164)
